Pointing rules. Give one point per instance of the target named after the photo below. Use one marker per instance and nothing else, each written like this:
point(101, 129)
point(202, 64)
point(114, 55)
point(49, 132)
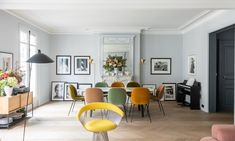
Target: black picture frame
point(160, 66)
point(63, 65)
point(82, 65)
point(170, 91)
point(6, 61)
point(66, 95)
point(57, 90)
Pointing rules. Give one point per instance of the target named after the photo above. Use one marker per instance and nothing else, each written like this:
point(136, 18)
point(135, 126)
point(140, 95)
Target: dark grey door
point(225, 97)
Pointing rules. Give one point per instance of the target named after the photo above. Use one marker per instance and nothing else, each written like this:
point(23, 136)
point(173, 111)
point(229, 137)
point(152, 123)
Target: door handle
point(228, 77)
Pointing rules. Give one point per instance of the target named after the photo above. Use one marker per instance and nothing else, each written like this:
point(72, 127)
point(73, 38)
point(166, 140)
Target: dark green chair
point(101, 84)
point(117, 96)
point(73, 94)
point(133, 84)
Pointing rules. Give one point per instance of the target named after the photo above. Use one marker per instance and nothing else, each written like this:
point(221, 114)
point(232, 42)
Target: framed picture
point(170, 89)
point(66, 92)
point(63, 64)
point(83, 87)
point(57, 90)
point(6, 61)
point(81, 65)
point(160, 66)
point(151, 86)
point(192, 65)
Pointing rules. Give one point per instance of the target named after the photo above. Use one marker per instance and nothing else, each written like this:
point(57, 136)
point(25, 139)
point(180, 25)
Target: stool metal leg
point(100, 136)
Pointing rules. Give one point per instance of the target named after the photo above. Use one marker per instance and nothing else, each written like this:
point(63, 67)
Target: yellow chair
point(117, 84)
point(100, 125)
point(140, 96)
point(74, 96)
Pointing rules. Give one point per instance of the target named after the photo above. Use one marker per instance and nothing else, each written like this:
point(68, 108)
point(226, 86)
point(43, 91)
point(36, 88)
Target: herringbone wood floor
point(51, 123)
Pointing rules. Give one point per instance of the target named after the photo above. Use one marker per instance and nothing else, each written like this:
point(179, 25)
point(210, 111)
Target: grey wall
point(9, 42)
point(88, 45)
point(161, 46)
point(196, 42)
point(75, 45)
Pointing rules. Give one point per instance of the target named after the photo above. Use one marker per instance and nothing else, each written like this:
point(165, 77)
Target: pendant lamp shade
point(40, 58)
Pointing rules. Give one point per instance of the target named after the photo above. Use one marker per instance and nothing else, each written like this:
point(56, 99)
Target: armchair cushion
point(223, 132)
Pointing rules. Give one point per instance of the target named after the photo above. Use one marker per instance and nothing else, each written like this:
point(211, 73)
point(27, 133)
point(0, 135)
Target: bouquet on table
point(9, 80)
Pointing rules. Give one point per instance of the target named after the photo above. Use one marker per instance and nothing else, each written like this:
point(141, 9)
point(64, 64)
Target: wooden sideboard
point(14, 103)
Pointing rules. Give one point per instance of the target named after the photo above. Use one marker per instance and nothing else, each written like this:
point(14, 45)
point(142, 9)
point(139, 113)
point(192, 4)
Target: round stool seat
point(99, 125)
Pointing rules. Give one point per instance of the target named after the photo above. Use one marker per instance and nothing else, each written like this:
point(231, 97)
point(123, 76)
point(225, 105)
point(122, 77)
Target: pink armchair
point(221, 133)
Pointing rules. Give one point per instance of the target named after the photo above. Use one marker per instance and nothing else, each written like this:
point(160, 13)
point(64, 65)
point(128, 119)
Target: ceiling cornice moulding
point(118, 4)
point(27, 21)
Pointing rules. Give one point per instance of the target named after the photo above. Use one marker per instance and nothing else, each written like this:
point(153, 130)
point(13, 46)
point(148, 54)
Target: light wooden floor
point(51, 123)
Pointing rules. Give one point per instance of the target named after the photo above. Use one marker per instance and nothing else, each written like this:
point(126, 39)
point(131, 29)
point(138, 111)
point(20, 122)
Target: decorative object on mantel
point(161, 66)
point(114, 64)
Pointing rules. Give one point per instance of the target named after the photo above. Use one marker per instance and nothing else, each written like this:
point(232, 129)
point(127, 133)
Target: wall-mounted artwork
point(83, 87)
point(160, 66)
point(192, 65)
point(57, 90)
point(170, 89)
point(63, 64)
point(6, 61)
point(81, 65)
point(66, 92)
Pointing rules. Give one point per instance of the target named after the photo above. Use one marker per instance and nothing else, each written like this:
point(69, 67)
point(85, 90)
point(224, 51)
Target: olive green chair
point(101, 84)
point(117, 96)
point(74, 96)
point(133, 84)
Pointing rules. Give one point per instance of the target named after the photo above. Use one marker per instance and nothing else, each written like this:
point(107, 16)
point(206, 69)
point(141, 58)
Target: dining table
point(128, 91)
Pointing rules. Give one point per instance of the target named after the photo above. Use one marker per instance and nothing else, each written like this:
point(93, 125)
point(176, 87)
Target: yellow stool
point(106, 122)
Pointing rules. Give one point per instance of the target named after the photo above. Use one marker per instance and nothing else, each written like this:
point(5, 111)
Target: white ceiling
point(79, 16)
point(78, 21)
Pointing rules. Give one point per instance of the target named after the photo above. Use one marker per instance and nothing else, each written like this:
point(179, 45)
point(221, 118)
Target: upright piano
point(189, 95)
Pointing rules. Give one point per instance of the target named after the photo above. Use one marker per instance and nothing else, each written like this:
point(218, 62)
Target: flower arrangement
point(114, 62)
point(9, 78)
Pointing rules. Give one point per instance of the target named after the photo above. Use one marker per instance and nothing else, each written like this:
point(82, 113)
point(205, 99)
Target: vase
point(8, 90)
point(115, 70)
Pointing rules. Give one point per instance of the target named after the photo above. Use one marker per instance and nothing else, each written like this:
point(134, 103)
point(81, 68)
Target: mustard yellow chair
point(117, 84)
point(100, 125)
point(140, 96)
point(74, 96)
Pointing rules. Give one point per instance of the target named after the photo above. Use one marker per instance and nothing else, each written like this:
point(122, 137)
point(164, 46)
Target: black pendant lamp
point(40, 58)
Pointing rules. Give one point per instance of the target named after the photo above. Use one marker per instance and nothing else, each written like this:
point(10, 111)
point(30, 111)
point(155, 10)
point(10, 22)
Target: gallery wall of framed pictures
point(59, 89)
point(81, 65)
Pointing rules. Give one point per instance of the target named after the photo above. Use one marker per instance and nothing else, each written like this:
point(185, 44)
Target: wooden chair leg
point(162, 109)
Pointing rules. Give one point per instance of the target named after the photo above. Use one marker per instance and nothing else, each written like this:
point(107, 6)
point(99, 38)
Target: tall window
point(28, 47)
